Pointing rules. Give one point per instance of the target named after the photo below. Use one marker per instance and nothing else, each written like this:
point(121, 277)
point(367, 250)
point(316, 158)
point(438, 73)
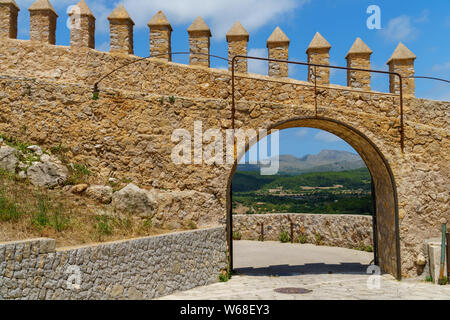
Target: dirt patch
point(30, 212)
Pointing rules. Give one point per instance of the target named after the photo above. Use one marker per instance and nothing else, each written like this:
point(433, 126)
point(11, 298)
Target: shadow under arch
point(384, 187)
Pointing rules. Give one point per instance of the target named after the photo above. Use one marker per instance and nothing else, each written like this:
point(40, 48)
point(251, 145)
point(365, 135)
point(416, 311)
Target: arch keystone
point(278, 46)
point(237, 38)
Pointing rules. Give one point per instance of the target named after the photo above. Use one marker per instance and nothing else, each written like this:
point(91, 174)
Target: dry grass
point(29, 212)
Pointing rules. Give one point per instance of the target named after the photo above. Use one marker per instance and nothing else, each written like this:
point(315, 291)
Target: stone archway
point(387, 223)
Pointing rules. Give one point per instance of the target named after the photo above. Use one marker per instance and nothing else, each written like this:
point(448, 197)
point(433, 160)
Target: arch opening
point(383, 189)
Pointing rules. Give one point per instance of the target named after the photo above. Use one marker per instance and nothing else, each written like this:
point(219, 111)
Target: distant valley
point(331, 182)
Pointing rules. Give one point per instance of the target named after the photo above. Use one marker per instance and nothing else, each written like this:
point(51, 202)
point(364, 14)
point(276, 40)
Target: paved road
point(330, 273)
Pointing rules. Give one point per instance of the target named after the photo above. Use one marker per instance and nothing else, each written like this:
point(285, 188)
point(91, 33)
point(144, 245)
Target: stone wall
point(238, 48)
point(127, 131)
point(358, 79)
point(143, 268)
point(43, 26)
point(345, 231)
point(8, 20)
point(160, 42)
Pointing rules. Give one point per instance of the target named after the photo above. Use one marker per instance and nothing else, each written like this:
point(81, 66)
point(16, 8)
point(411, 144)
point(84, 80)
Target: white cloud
point(301, 133)
point(220, 14)
point(104, 46)
point(400, 29)
point(324, 136)
point(442, 67)
point(57, 4)
point(424, 16)
point(258, 66)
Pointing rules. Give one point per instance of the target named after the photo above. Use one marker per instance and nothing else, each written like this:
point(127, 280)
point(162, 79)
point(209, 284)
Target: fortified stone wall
point(345, 231)
point(127, 131)
point(136, 269)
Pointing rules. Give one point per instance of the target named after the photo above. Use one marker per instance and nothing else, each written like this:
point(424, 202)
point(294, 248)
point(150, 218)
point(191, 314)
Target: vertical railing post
point(442, 266)
point(448, 255)
point(262, 232)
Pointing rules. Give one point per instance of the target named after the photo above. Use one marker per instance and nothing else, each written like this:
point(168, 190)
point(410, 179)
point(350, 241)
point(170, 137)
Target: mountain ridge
point(324, 161)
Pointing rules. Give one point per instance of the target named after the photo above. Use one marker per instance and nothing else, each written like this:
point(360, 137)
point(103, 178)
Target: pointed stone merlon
point(199, 43)
point(160, 37)
point(319, 53)
point(43, 22)
point(8, 19)
point(121, 31)
point(237, 39)
point(402, 62)
point(82, 26)
point(359, 58)
point(278, 46)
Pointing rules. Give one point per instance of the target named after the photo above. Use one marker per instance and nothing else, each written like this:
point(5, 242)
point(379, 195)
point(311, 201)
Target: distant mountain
point(325, 161)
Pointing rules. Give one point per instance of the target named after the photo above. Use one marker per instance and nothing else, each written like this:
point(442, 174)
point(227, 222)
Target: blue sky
point(423, 26)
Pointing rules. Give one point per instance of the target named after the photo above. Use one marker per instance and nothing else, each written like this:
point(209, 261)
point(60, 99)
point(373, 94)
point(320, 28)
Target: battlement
point(43, 23)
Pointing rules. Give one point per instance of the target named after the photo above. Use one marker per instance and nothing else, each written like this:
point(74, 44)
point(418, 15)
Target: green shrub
point(318, 240)
point(59, 149)
point(223, 278)
point(58, 221)
point(78, 174)
point(284, 237)
point(49, 216)
point(9, 210)
point(443, 281)
point(237, 235)
point(429, 279)
point(103, 226)
point(192, 225)
point(302, 239)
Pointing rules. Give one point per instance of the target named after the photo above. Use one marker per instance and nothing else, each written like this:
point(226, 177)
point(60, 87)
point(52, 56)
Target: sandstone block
point(102, 194)
point(8, 159)
point(47, 174)
point(136, 200)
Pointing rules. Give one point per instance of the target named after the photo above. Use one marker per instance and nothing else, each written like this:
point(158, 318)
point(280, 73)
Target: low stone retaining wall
point(142, 268)
point(346, 231)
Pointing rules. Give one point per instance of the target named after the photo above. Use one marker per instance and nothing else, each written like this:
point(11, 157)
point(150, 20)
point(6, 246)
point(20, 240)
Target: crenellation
point(402, 62)
point(121, 31)
point(43, 19)
point(278, 46)
point(160, 37)
point(237, 38)
point(199, 43)
point(359, 58)
point(82, 28)
point(43, 22)
point(9, 11)
point(319, 53)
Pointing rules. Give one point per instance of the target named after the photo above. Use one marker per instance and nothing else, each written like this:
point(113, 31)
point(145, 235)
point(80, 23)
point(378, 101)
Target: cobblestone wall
point(345, 231)
point(142, 268)
point(127, 131)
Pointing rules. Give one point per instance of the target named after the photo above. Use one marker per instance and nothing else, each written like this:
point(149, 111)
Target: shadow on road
point(313, 268)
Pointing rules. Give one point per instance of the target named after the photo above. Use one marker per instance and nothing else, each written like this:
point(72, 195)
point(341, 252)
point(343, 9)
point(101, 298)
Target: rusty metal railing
point(315, 66)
